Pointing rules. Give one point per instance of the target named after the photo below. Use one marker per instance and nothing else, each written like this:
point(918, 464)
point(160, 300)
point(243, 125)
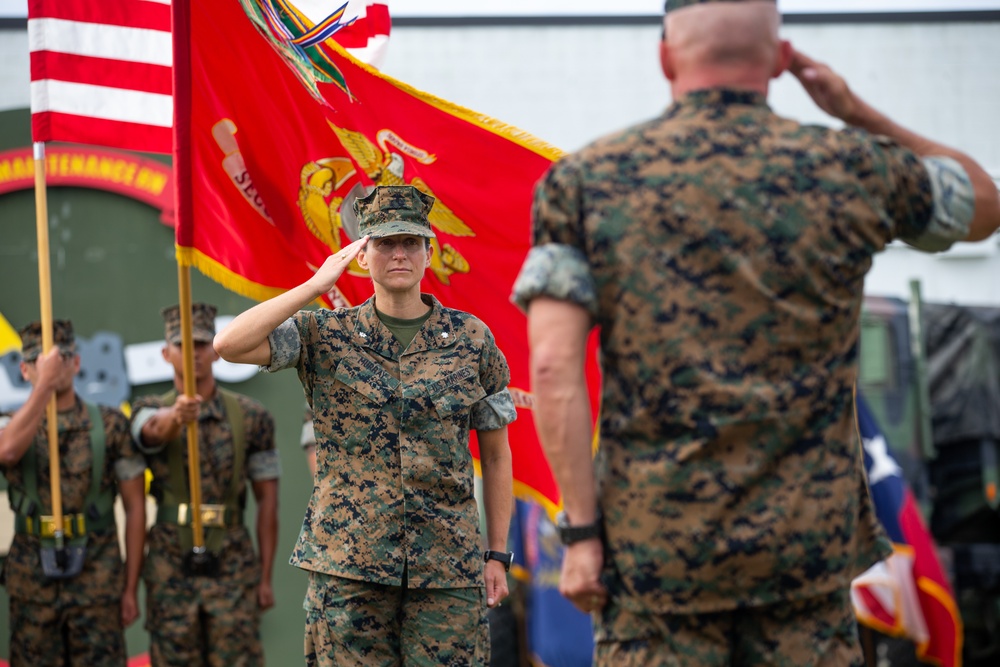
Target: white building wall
point(14, 69)
point(570, 84)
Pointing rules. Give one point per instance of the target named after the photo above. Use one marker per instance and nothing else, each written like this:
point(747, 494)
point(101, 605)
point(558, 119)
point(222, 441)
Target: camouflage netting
point(963, 364)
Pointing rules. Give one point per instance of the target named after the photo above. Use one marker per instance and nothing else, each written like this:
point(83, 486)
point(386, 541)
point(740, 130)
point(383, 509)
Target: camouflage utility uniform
point(722, 251)
point(192, 619)
point(76, 619)
point(393, 511)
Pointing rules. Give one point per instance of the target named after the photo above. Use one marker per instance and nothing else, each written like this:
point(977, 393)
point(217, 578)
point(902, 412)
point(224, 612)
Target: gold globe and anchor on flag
point(329, 187)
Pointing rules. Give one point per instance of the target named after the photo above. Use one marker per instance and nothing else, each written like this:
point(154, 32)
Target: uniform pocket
point(456, 393)
point(351, 403)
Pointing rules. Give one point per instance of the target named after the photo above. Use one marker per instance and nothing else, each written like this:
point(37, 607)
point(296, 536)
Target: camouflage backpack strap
point(230, 501)
point(177, 491)
point(26, 501)
point(98, 505)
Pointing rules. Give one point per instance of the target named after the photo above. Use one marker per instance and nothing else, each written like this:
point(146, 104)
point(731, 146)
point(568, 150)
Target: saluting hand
point(828, 89)
point(327, 275)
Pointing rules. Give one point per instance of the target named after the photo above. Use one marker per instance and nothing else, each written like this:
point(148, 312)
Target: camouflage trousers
point(62, 635)
point(203, 622)
point(815, 632)
point(351, 622)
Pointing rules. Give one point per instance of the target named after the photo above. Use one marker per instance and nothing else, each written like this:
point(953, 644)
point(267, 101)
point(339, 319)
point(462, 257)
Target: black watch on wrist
point(504, 557)
point(572, 534)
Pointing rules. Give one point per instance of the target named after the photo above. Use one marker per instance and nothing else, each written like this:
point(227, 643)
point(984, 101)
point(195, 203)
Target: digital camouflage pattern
point(722, 250)
point(394, 209)
point(394, 478)
point(348, 621)
point(814, 632)
point(202, 323)
point(81, 614)
point(205, 621)
point(215, 448)
point(43, 634)
point(31, 338)
point(231, 637)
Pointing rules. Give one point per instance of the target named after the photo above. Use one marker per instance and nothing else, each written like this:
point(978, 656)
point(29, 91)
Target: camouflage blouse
point(722, 251)
point(103, 577)
point(216, 459)
point(394, 479)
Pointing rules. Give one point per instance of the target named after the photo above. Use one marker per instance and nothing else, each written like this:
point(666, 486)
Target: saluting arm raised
point(831, 93)
point(245, 339)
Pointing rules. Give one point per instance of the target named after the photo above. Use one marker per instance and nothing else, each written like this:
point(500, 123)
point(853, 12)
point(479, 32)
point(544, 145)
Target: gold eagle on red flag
point(329, 186)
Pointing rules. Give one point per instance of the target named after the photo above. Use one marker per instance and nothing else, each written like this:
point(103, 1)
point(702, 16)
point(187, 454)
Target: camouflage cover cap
point(202, 323)
point(672, 5)
point(394, 209)
point(31, 338)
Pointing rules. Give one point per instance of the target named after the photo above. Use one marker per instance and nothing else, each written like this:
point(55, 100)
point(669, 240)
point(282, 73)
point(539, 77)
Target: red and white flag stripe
point(101, 70)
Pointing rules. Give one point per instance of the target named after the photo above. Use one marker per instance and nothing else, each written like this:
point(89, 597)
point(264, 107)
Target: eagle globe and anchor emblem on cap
point(329, 187)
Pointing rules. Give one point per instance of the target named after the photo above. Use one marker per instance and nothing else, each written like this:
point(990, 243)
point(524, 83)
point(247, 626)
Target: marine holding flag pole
point(57, 563)
point(200, 562)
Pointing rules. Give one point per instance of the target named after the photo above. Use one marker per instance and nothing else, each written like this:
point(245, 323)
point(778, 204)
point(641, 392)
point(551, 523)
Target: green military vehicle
point(935, 391)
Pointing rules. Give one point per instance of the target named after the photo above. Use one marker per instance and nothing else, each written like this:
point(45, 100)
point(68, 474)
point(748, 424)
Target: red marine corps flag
point(280, 130)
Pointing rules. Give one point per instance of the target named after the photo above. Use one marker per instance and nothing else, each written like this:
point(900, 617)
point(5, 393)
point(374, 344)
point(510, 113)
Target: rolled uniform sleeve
point(954, 206)
point(128, 461)
point(263, 462)
point(264, 465)
point(556, 271)
point(557, 265)
point(308, 437)
point(4, 420)
point(130, 468)
point(493, 412)
point(139, 419)
point(286, 346)
point(928, 202)
point(496, 410)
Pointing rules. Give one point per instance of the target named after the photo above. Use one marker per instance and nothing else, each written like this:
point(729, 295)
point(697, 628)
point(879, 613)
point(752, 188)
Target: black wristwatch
point(504, 557)
point(572, 534)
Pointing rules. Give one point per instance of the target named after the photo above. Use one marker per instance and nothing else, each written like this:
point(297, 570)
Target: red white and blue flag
point(906, 595)
point(101, 72)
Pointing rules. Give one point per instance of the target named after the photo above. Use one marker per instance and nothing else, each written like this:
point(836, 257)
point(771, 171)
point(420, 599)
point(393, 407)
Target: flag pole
point(199, 561)
point(187, 350)
point(45, 293)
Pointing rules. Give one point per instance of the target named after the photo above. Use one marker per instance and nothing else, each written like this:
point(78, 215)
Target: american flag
point(101, 70)
point(906, 595)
